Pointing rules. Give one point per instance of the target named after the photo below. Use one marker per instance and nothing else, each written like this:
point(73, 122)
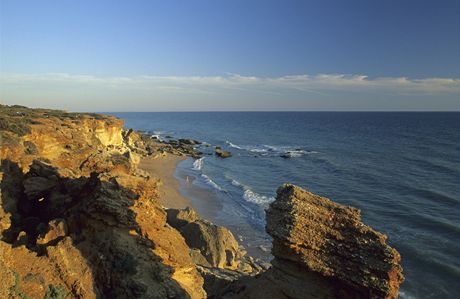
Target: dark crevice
point(41, 200)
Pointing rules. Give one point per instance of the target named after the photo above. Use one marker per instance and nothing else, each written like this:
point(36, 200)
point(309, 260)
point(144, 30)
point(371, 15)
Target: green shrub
point(16, 289)
point(7, 138)
point(15, 125)
point(55, 292)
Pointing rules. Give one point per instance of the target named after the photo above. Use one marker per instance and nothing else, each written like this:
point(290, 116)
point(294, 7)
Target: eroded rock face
point(218, 256)
point(113, 230)
point(212, 245)
point(330, 239)
point(78, 218)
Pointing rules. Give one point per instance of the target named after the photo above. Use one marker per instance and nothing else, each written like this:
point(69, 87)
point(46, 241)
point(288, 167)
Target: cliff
point(78, 219)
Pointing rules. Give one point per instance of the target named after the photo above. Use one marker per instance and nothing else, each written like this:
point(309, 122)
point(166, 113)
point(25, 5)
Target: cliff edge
point(78, 219)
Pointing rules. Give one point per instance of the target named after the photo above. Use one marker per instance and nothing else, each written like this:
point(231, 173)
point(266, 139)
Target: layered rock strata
point(329, 239)
point(78, 219)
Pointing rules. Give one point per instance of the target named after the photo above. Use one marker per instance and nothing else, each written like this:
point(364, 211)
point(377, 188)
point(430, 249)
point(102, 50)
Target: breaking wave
point(233, 145)
point(198, 164)
point(272, 150)
point(251, 196)
point(210, 182)
point(256, 198)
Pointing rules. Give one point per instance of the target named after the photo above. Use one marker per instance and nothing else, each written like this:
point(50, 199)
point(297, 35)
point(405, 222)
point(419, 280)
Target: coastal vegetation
point(80, 219)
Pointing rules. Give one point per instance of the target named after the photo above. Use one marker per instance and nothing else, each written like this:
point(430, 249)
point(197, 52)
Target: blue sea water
point(401, 169)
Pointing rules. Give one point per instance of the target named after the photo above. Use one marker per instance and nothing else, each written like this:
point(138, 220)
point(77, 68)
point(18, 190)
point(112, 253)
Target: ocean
point(401, 169)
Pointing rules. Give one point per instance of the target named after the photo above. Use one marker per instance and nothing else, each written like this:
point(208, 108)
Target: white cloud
point(231, 91)
point(321, 82)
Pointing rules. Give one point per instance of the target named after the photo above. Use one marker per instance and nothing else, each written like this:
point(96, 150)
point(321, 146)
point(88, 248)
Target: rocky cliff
point(78, 219)
point(321, 250)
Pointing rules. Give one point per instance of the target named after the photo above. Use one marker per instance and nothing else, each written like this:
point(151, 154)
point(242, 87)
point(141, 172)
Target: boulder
point(329, 239)
point(222, 153)
point(189, 141)
point(178, 218)
point(216, 244)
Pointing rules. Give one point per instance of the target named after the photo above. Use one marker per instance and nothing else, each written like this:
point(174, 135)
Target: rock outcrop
point(78, 219)
point(330, 239)
point(214, 249)
point(222, 153)
point(211, 245)
point(321, 249)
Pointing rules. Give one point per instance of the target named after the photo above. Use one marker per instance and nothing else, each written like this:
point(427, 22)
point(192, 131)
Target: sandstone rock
point(222, 153)
point(8, 281)
point(22, 239)
point(189, 141)
point(216, 244)
point(178, 218)
point(57, 228)
point(35, 187)
point(99, 231)
point(285, 280)
point(330, 239)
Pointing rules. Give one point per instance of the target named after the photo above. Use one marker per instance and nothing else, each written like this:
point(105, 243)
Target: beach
point(335, 155)
point(174, 184)
point(86, 199)
point(163, 167)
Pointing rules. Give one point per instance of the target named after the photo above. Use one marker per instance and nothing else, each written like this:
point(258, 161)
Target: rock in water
point(330, 239)
point(222, 153)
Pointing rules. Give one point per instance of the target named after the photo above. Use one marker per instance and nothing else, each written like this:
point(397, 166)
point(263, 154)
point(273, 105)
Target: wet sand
point(163, 167)
point(178, 180)
point(204, 201)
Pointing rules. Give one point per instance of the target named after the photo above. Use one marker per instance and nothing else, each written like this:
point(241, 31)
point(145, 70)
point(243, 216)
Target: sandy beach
point(163, 167)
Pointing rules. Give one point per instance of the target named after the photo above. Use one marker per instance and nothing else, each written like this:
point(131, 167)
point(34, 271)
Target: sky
point(238, 55)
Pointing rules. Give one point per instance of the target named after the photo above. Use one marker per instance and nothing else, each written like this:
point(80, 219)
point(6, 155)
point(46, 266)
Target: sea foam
point(273, 150)
point(251, 196)
point(233, 145)
point(211, 182)
point(198, 164)
point(256, 198)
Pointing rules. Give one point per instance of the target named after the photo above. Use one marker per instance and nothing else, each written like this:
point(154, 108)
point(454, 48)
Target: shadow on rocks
point(84, 227)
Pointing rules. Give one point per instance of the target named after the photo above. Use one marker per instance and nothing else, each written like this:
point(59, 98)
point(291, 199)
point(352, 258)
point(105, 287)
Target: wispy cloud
point(321, 82)
point(215, 92)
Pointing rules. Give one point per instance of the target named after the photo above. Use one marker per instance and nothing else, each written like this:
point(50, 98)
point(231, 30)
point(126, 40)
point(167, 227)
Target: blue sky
point(231, 55)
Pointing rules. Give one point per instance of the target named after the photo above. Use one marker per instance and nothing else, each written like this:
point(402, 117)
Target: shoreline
point(163, 168)
point(177, 193)
point(104, 225)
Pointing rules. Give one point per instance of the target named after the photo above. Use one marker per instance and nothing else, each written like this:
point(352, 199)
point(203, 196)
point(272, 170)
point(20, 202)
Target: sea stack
point(329, 239)
point(78, 218)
